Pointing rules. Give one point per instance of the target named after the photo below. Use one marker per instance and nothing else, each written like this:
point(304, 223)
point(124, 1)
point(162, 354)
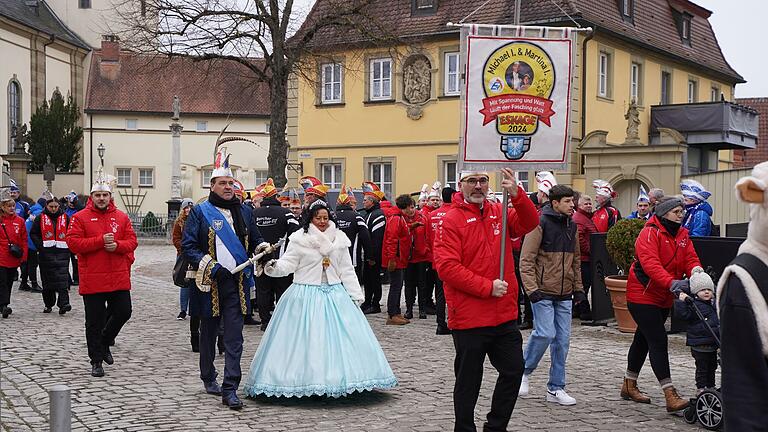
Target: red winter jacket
point(397, 240)
point(433, 223)
point(660, 259)
point(421, 251)
point(605, 217)
point(467, 248)
point(586, 228)
point(387, 208)
point(102, 271)
point(17, 234)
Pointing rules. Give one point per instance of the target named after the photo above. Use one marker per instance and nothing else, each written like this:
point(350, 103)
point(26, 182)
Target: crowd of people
point(307, 272)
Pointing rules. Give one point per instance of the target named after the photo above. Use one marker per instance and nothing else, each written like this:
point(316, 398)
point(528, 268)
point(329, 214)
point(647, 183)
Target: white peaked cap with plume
point(436, 190)
point(545, 180)
point(424, 194)
point(603, 188)
point(221, 156)
point(103, 182)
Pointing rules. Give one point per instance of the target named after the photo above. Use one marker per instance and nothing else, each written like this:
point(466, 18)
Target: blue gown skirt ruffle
point(318, 342)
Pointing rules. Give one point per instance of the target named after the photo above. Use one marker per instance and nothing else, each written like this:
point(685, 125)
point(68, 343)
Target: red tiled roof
point(146, 83)
point(654, 25)
point(749, 158)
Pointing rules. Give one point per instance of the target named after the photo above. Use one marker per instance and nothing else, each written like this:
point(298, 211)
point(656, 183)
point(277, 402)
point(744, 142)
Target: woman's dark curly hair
point(312, 211)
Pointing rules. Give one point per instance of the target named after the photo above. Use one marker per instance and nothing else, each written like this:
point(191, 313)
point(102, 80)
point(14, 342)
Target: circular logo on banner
point(518, 81)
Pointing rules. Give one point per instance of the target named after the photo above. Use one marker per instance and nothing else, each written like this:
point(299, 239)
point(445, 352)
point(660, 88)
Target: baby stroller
point(707, 407)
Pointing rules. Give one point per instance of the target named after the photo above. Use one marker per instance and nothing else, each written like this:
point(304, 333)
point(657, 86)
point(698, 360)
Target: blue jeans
point(551, 328)
point(184, 299)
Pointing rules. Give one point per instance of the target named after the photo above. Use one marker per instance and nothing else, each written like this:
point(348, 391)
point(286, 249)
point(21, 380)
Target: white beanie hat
point(700, 281)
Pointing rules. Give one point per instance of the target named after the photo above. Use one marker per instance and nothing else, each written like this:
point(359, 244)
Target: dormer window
point(627, 10)
point(685, 29)
point(423, 7)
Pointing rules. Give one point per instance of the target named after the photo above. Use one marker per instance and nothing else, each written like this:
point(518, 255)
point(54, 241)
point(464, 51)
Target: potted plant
point(620, 244)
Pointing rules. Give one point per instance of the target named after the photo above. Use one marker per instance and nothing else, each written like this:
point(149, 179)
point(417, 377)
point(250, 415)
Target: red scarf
point(54, 236)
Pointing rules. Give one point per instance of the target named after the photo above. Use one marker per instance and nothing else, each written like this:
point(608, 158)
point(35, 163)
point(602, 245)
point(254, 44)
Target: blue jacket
point(22, 209)
point(634, 215)
point(71, 211)
point(198, 240)
point(34, 211)
point(698, 219)
point(698, 334)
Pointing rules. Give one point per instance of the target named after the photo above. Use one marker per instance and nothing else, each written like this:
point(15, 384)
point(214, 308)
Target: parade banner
point(516, 101)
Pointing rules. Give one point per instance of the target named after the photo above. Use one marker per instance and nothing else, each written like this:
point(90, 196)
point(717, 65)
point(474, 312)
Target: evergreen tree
point(55, 131)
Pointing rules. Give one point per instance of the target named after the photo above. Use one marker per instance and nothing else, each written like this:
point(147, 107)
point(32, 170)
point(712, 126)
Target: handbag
point(13, 248)
point(180, 271)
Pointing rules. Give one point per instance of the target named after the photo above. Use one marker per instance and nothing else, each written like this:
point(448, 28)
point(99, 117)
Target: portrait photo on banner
point(518, 101)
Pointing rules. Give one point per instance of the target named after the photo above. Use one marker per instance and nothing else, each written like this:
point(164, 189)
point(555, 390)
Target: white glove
point(701, 281)
point(261, 247)
point(697, 269)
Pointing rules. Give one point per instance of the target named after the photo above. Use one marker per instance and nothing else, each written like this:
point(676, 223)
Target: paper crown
point(71, 196)
point(436, 190)
point(47, 196)
point(424, 193)
point(103, 182)
point(545, 180)
point(345, 197)
point(285, 195)
point(695, 190)
point(239, 189)
point(268, 188)
point(314, 186)
point(371, 189)
point(603, 188)
point(295, 197)
point(643, 196)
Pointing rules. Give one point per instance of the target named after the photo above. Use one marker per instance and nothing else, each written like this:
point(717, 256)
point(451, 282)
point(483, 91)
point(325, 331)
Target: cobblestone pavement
point(154, 384)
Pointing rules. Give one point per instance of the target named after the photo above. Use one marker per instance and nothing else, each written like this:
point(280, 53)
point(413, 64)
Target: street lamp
point(101, 149)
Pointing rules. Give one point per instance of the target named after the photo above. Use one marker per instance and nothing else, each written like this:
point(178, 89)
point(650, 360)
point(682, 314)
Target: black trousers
point(503, 345)
point(706, 365)
point(372, 285)
point(29, 268)
point(522, 295)
point(650, 340)
point(268, 293)
point(231, 317)
point(396, 279)
point(586, 280)
point(431, 284)
point(75, 272)
point(440, 300)
point(105, 315)
point(416, 283)
point(6, 283)
point(50, 295)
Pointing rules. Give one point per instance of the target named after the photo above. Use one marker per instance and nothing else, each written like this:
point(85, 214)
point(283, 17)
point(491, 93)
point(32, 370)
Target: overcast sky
point(738, 26)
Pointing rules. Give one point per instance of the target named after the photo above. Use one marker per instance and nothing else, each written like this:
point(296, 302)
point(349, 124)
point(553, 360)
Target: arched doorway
point(628, 191)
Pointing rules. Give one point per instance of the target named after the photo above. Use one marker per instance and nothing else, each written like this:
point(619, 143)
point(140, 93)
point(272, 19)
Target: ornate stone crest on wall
point(417, 84)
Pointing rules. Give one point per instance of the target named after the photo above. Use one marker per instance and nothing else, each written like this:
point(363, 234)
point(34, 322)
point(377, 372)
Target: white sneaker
point(561, 397)
point(523, 392)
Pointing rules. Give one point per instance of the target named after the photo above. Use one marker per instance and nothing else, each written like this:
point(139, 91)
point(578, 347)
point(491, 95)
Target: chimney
point(109, 65)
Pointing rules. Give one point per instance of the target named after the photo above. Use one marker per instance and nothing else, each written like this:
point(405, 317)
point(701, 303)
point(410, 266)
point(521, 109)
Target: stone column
point(174, 204)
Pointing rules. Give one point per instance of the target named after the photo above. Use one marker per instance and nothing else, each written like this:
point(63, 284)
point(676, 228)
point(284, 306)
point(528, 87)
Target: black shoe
point(212, 388)
point(372, 310)
point(430, 310)
point(64, 309)
point(443, 330)
point(47, 310)
point(97, 370)
point(408, 314)
point(36, 288)
point(112, 342)
point(181, 316)
point(248, 320)
point(220, 344)
point(24, 287)
point(108, 356)
point(526, 325)
point(232, 401)
point(7, 311)
point(194, 340)
point(422, 314)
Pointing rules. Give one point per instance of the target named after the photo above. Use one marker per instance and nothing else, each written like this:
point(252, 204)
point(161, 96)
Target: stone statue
point(417, 80)
point(176, 108)
point(633, 123)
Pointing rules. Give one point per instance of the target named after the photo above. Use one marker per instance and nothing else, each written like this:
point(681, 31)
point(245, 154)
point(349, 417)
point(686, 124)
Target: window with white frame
point(634, 82)
point(381, 79)
point(714, 94)
point(131, 124)
point(201, 126)
point(260, 176)
point(124, 177)
point(602, 82)
point(146, 177)
point(331, 175)
point(381, 174)
point(205, 177)
point(522, 179)
point(331, 83)
point(451, 77)
point(451, 176)
point(685, 29)
point(692, 91)
point(666, 88)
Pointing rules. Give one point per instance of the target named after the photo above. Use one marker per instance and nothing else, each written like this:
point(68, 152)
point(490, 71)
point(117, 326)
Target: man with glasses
point(483, 309)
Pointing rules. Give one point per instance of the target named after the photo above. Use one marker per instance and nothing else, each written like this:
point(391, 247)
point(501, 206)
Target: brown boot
point(629, 391)
point(397, 320)
point(674, 401)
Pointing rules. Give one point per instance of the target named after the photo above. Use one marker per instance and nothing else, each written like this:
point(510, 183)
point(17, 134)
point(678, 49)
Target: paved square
point(154, 383)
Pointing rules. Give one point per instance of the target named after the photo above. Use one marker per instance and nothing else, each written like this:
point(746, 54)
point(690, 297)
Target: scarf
point(670, 226)
point(54, 229)
point(235, 207)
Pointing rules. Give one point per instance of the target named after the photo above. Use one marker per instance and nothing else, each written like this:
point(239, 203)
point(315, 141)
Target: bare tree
point(243, 30)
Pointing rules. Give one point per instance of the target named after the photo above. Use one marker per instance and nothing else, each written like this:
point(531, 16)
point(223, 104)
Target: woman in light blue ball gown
point(318, 341)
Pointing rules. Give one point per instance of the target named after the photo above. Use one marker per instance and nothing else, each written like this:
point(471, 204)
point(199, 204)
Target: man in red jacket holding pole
point(104, 241)
point(482, 309)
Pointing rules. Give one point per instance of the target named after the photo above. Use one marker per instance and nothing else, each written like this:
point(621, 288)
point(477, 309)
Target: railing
point(151, 225)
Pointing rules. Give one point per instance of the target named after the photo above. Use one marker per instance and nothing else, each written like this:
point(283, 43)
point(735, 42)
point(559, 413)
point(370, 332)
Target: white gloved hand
point(697, 269)
point(262, 247)
point(701, 281)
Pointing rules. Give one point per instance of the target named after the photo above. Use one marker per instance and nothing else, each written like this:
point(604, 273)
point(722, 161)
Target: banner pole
point(504, 207)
